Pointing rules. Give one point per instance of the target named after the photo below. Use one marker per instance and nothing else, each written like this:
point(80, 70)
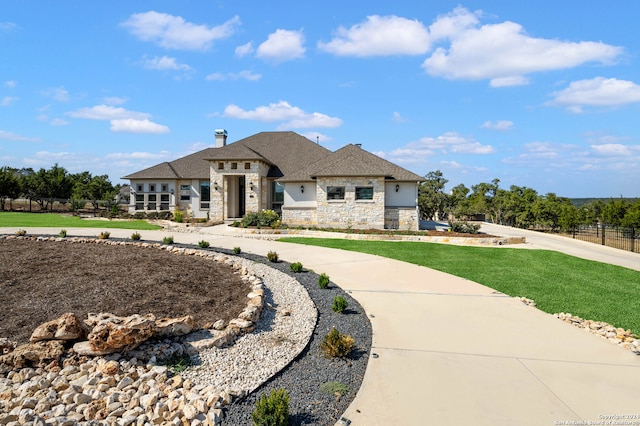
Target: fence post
point(603, 239)
point(633, 239)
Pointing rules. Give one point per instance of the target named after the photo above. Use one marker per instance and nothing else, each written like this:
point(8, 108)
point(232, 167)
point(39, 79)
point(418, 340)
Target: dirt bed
point(41, 280)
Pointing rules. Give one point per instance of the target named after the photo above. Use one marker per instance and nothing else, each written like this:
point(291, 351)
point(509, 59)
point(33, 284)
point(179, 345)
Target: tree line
point(44, 186)
point(520, 206)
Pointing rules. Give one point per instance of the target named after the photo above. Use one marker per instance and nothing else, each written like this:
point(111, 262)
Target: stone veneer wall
point(404, 218)
point(300, 216)
point(349, 212)
point(254, 200)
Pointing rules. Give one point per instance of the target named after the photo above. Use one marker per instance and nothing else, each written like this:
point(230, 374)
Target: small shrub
point(203, 244)
point(336, 344)
point(339, 304)
point(104, 235)
point(296, 267)
point(178, 215)
point(272, 410)
point(465, 227)
point(272, 256)
point(178, 363)
point(167, 240)
point(261, 218)
point(236, 224)
point(237, 250)
point(136, 236)
point(334, 388)
point(62, 233)
point(323, 280)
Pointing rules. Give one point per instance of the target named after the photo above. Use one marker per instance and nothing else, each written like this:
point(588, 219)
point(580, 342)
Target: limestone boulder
point(114, 334)
point(66, 327)
point(173, 327)
point(36, 354)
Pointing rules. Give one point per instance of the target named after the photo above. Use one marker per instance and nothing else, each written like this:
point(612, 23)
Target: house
point(306, 183)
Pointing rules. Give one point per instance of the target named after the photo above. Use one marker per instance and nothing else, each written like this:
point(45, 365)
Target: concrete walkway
point(454, 352)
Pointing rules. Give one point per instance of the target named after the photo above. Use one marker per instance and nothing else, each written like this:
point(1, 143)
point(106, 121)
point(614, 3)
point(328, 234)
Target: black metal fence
point(612, 236)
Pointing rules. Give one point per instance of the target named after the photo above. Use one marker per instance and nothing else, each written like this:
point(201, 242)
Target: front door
point(241, 196)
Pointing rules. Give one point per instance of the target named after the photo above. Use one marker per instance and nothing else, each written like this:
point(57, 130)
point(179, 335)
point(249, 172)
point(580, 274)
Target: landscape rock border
point(83, 396)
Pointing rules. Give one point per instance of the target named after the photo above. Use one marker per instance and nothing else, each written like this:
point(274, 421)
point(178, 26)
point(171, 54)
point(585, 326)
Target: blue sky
point(542, 94)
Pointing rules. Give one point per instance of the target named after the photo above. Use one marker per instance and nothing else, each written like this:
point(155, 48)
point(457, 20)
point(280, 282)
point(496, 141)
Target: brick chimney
point(221, 137)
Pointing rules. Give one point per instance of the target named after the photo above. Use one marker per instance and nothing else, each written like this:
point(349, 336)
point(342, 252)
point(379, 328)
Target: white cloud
point(500, 125)
point(398, 118)
point(16, 137)
point(162, 155)
point(173, 32)
point(613, 150)
point(107, 112)
point(8, 26)
point(503, 52)
point(114, 100)
point(8, 100)
point(244, 50)
point(598, 91)
point(294, 117)
point(242, 75)
point(59, 94)
point(450, 142)
point(282, 46)
point(380, 36)
point(131, 125)
point(59, 122)
point(10, 84)
point(164, 63)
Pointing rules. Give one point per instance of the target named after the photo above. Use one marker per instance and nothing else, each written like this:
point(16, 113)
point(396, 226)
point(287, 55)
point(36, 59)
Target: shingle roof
point(351, 160)
point(192, 166)
point(286, 152)
point(292, 157)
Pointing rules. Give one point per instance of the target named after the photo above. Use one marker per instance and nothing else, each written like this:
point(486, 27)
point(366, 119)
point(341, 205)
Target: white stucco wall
point(295, 197)
point(407, 194)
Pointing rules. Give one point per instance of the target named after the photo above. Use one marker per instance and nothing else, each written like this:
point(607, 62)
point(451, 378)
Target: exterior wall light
point(302, 188)
point(397, 188)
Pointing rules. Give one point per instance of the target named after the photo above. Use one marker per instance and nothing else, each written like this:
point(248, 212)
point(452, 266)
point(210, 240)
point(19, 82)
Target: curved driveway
point(452, 352)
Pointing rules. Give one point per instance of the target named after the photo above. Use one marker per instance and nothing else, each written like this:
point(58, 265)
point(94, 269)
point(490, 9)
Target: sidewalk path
point(453, 352)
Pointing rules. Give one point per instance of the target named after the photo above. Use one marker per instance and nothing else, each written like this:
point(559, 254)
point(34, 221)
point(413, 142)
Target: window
point(152, 202)
point(364, 193)
point(185, 197)
point(165, 187)
point(152, 187)
point(185, 187)
point(335, 192)
point(220, 166)
point(205, 190)
point(247, 166)
point(164, 201)
point(140, 187)
point(139, 201)
point(278, 192)
point(234, 166)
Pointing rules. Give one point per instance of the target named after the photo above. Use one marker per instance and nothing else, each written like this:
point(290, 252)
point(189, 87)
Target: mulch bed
point(41, 280)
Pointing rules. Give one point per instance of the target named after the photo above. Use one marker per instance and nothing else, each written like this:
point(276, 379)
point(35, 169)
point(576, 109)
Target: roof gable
point(351, 160)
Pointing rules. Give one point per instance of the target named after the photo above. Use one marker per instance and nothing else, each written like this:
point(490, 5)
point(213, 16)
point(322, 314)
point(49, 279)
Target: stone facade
point(299, 216)
point(226, 191)
point(404, 218)
point(349, 212)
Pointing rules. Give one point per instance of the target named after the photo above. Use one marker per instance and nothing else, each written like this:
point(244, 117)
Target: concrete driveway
point(449, 351)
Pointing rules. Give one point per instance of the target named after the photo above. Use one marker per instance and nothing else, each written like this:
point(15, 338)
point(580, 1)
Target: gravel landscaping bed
point(303, 378)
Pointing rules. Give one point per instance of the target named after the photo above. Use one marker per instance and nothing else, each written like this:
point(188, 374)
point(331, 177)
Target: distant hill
point(579, 202)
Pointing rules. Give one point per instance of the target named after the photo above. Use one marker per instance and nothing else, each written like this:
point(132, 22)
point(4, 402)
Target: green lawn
point(53, 220)
point(557, 282)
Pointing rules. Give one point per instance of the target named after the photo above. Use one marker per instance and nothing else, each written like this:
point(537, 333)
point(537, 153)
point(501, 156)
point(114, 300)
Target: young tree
point(9, 185)
point(45, 185)
point(92, 188)
point(432, 199)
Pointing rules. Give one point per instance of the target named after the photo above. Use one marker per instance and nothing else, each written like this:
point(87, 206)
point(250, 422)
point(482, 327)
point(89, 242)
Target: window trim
point(234, 166)
point(220, 165)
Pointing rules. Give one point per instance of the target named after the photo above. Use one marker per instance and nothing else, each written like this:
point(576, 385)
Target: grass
point(557, 282)
point(53, 220)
